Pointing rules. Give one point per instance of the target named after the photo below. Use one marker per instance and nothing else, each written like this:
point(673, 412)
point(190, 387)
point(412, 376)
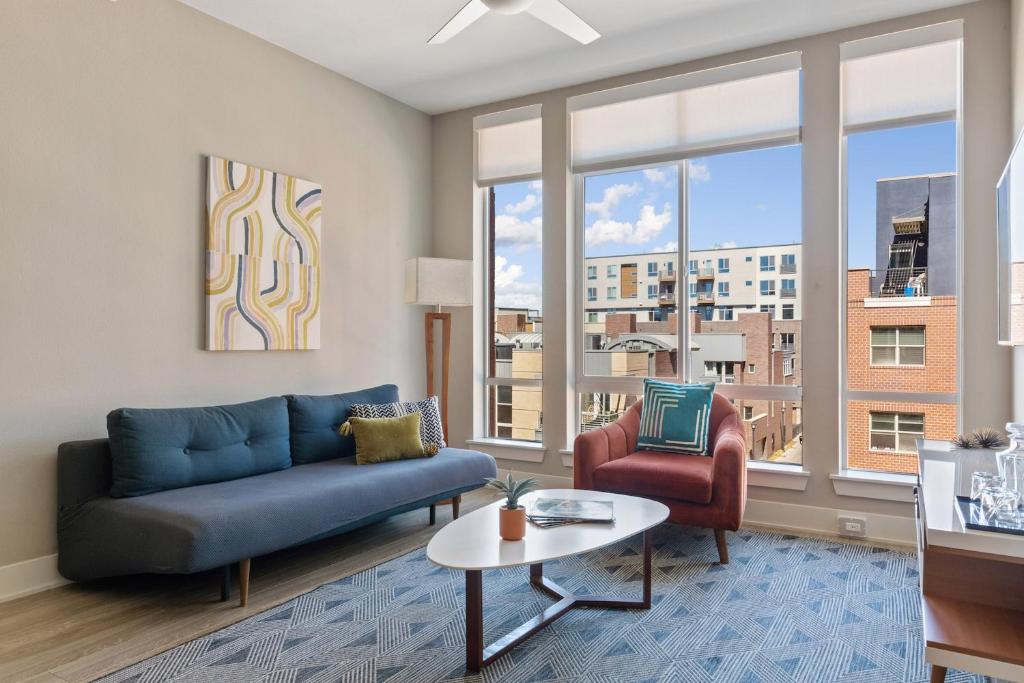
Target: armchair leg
point(243, 582)
point(455, 506)
point(433, 514)
point(723, 549)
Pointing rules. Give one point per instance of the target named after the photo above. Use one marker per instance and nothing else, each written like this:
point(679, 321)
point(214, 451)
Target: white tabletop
point(472, 541)
point(945, 474)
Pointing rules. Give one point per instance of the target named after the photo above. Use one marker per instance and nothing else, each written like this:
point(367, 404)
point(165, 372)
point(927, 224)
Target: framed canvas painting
point(262, 259)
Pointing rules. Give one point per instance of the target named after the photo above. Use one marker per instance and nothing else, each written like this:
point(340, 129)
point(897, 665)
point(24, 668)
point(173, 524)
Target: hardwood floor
point(82, 631)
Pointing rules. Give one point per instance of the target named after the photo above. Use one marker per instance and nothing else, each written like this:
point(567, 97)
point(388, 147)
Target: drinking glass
point(999, 503)
point(984, 480)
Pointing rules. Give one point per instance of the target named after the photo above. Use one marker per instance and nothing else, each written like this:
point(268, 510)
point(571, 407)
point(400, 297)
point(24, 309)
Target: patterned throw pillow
point(675, 417)
point(430, 416)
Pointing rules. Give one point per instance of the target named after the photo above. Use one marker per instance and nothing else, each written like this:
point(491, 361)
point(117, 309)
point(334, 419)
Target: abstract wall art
point(262, 259)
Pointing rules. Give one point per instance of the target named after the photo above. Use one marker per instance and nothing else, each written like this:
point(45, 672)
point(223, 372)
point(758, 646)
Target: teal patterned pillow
point(675, 417)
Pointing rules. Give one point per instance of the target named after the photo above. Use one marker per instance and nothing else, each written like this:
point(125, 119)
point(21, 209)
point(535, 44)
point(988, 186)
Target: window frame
point(482, 414)
point(897, 346)
point(896, 431)
point(847, 395)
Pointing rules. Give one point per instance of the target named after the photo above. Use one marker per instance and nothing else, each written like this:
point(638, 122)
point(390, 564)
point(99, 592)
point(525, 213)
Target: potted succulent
point(512, 516)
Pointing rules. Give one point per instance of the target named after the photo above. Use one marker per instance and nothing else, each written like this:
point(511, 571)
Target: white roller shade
point(901, 78)
point(508, 145)
point(734, 106)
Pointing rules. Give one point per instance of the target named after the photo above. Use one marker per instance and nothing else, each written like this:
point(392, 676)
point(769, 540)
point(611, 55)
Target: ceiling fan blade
point(473, 10)
point(564, 19)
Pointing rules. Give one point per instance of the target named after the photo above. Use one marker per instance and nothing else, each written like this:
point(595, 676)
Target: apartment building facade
point(902, 325)
point(717, 284)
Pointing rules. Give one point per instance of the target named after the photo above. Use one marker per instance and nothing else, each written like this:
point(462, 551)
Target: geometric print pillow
point(430, 416)
point(675, 417)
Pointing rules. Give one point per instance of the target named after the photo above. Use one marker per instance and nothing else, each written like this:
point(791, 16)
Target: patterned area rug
point(786, 609)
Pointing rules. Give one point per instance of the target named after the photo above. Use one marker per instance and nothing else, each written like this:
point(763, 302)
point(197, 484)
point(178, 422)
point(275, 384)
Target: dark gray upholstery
point(201, 527)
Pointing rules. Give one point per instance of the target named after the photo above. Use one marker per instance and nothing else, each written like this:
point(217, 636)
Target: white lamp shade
point(438, 282)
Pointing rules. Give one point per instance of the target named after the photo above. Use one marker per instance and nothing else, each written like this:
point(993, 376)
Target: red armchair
point(698, 490)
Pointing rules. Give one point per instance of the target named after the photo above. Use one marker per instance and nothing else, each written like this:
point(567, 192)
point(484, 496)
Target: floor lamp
point(438, 282)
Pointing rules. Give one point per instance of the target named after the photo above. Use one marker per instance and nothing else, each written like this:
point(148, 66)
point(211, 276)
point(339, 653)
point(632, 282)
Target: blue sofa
point(187, 490)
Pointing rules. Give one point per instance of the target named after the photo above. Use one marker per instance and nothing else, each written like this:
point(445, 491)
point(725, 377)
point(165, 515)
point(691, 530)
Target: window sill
point(524, 451)
point(875, 485)
point(765, 475)
point(566, 454)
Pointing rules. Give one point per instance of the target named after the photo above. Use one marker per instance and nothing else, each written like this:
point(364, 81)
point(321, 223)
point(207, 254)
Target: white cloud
point(536, 185)
point(654, 175)
point(509, 291)
point(667, 247)
point(699, 172)
point(761, 206)
point(645, 229)
point(528, 202)
point(728, 244)
point(511, 231)
point(612, 196)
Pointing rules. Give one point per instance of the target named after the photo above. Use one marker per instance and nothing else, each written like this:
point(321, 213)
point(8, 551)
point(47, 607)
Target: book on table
point(554, 511)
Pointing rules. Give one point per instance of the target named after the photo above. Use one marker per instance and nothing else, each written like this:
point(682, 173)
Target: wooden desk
point(971, 581)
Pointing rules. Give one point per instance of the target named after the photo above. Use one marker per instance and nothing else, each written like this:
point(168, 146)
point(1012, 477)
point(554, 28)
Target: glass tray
point(972, 518)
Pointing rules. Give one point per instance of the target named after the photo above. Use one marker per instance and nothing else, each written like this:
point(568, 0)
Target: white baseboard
point(31, 576)
point(888, 529)
point(798, 519)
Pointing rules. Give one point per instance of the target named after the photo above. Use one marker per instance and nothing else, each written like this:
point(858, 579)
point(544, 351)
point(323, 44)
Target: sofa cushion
point(315, 421)
point(662, 475)
point(159, 449)
point(202, 527)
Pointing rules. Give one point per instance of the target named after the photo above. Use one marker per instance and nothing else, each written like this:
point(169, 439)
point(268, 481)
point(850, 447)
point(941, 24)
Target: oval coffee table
point(471, 543)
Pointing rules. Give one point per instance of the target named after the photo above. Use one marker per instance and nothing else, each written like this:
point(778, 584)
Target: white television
point(1010, 248)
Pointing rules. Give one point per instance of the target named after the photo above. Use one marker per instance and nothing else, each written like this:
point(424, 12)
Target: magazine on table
point(569, 510)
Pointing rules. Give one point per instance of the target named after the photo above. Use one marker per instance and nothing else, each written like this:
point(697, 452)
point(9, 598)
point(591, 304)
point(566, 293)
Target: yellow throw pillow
point(384, 439)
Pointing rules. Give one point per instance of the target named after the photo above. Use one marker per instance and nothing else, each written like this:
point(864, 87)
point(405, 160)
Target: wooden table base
point(478, 656)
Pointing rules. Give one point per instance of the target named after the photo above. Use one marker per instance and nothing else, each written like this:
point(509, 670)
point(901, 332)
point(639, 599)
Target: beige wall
point(108, 110)
point(986, 140)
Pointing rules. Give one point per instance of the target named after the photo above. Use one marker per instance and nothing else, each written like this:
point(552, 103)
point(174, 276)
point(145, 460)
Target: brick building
point(902, 325)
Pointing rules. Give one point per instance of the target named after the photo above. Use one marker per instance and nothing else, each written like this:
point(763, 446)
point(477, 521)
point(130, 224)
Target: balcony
point(706, 273)
point(667, 299)
point(787, 268)
point(667, 276)
point(787, 293)
point(899, 282)
point(705, 297)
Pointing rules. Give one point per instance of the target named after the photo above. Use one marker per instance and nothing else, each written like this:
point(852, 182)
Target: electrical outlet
point(853, 526)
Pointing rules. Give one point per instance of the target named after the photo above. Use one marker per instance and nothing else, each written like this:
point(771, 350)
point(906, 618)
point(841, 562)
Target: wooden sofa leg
point(455, 506)
point(243, 582)
point(723, 549)
point(433, 514)
point(225, 583)
point(938, 674)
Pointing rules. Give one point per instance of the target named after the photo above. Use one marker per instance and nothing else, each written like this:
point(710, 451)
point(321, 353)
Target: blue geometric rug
point(786, 609)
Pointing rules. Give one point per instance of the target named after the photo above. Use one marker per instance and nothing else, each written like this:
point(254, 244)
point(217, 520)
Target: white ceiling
point(383, 43)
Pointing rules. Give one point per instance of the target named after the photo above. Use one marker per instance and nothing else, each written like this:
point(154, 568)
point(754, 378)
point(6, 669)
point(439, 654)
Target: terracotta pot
point(512, 523)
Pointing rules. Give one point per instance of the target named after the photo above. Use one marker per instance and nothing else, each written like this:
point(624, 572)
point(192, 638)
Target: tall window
point(516, 352)
point(735, 202)
point(902, 231)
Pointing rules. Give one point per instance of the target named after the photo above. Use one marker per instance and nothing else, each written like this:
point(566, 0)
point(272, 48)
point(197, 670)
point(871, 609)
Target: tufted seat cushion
point(658, 474)
point(160, 449)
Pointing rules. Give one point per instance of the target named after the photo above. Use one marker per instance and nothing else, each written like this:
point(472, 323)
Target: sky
point(742, 199)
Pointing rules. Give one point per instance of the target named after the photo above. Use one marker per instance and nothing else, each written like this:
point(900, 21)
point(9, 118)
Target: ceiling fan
point(551, 12)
